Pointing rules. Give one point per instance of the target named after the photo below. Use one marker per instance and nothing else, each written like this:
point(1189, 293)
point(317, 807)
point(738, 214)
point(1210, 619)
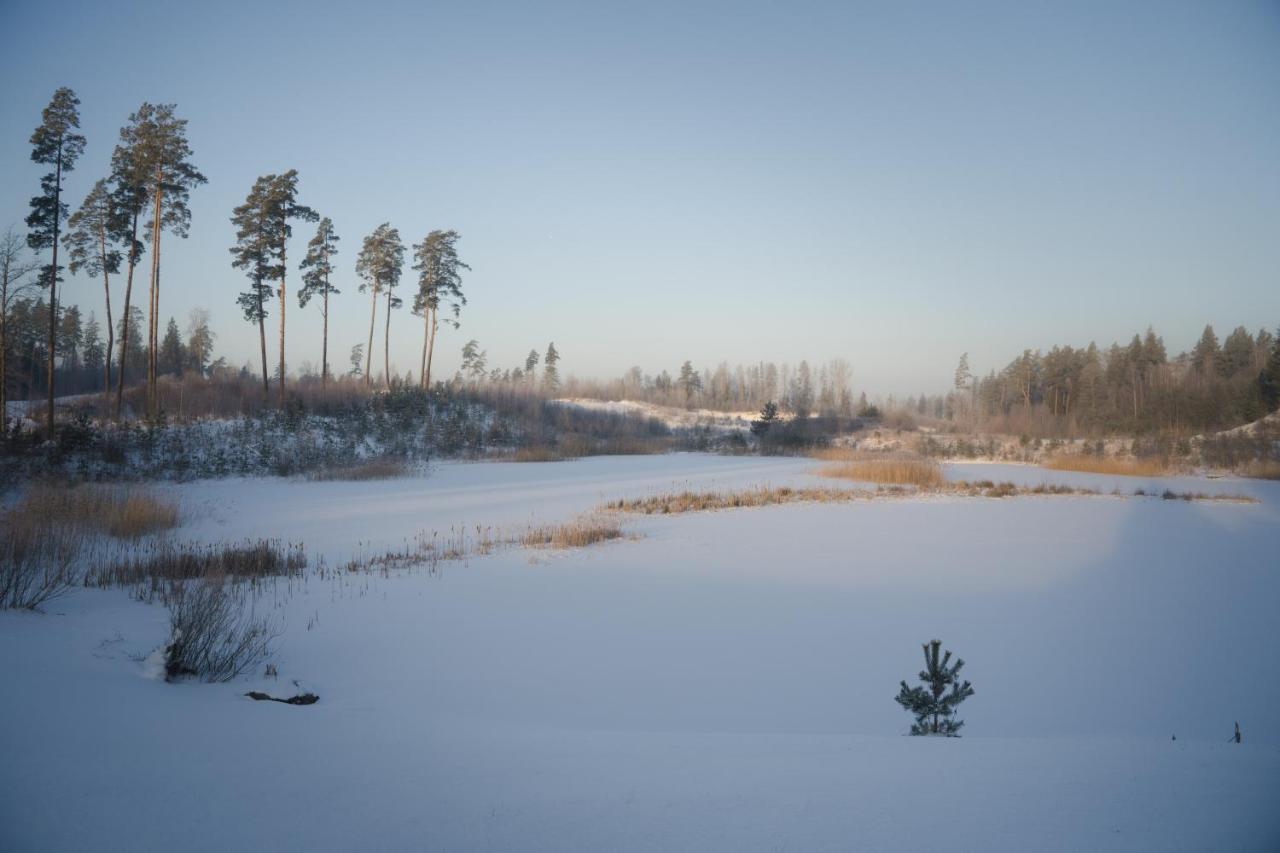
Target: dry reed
point(125, 512)
point(1146, 467)
point(383, 468)
point(883, 468)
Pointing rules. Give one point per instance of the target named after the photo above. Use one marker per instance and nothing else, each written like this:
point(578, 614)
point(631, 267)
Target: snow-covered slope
point(724, 683)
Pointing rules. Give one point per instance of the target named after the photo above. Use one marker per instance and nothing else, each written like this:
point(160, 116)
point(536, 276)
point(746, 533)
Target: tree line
point(1125, 388)
point(144, 194)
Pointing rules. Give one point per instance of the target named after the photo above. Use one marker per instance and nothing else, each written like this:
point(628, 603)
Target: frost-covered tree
point(439, 281)
point(54, 143)
point(15, 267)
point(317, 268)
point(934, 704)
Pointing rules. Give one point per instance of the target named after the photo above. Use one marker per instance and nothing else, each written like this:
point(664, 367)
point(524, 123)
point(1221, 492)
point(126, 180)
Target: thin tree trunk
point(124, 329)
point(426, 339)
point(282, 292)
point(431, 347)
point(106, 289)
point(262, 339)
point(153, 323)
point(53, 287)
point(324, 342)
point(368, 353)
point(386, 346)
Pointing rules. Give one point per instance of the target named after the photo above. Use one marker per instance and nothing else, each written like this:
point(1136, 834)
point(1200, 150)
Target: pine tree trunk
point(106, 289)
point(430, 349)
point(124, 329)
point(262, 341)
point(368, 352)
point(153, 324)
point(426, 341)
point(324, 342)
point(282, 293)
point(386, 346)
point(53, 288)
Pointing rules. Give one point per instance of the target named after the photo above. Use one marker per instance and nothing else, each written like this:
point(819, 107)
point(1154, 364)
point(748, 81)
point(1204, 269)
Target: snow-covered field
point(723, 682)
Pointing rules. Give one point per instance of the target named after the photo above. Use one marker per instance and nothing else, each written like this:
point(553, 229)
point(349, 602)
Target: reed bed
point(1124, 467)
point(125, 512)
point(881, 468)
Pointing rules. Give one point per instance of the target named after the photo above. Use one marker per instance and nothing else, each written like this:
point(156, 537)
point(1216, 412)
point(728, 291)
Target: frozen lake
point(723, 682)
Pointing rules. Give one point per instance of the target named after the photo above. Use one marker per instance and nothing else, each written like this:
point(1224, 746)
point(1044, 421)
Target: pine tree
point(379, 264)
point(93, 232)
point(163, 162)
point(252, 253)
point(281, 203)
point(690, 381)
point(474, 360)
point(933, 705)
point(317, 269)
point(172, 354)
point(129, 196)
point(768, 417)
point(551, 375)
point(54, 143)
point(1205, 354)
point(439, 280)
point(357, 356)
point(530, 365)
point(1269, 380)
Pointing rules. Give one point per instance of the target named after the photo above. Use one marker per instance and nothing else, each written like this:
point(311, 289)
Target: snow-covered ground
point(725, 682)
point(672, 417)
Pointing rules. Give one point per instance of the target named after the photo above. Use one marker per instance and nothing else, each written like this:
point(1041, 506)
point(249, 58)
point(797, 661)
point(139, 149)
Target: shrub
point(1146, 467)
point(213, 632)
point(38, 562)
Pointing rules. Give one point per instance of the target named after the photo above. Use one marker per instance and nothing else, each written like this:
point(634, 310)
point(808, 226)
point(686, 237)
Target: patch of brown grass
point(883, 468)
point(537, 454)
point(125, 512)
point(688, 501)
point(166, 561)
point(579, 533)
point(373, 469)
point(1124, 467)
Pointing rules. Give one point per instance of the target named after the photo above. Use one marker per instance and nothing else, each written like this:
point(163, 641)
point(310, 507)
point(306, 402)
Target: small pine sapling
point(934, 705)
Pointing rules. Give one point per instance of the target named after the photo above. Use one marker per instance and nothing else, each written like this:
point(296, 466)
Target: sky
point(643, 183)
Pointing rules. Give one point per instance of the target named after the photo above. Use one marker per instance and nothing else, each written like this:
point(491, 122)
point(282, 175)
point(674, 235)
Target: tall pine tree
point(317, 268)
point(252, 253)
point(93, 233)
point(282, 206)
point(54, 143)
point(379, 265)
point(439, 280)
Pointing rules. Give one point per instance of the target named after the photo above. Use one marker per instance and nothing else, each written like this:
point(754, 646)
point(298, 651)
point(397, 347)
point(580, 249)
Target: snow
point(723, 683)
point(671, 416)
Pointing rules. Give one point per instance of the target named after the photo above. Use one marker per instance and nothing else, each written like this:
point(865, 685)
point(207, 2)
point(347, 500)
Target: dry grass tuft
point(580, 533)
point(374, 469)
point(679, 502)
point(888, 469)
point(126, 512)
point(1110, 465)
point(166, 561)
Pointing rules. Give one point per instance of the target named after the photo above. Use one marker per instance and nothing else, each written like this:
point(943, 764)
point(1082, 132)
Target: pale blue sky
point(642, 183)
